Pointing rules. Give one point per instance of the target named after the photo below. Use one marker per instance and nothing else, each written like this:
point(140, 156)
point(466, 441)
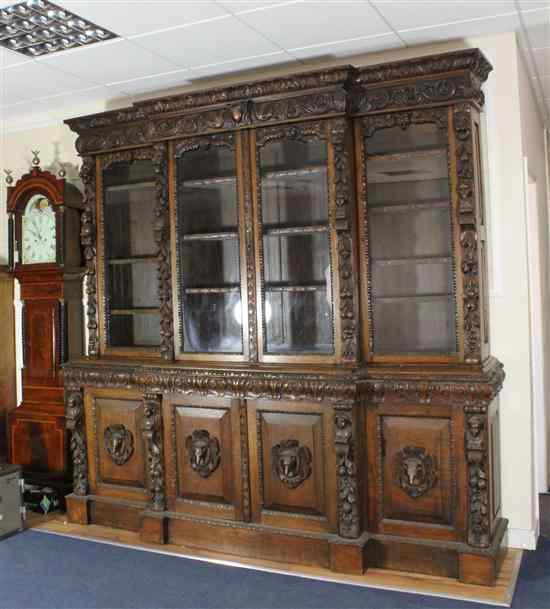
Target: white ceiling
point(169, 43)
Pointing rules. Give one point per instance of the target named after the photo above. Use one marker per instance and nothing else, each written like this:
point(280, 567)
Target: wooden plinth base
point(259, 542)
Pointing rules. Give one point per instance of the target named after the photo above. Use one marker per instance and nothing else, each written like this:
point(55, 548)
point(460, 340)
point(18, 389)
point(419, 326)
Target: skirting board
point(526, 539)
point(500, 594)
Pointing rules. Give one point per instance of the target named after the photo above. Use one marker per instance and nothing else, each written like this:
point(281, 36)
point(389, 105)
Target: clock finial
point(35, 159)
point(9, 177)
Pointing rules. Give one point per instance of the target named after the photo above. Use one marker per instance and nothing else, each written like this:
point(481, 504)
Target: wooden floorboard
point(500, 594)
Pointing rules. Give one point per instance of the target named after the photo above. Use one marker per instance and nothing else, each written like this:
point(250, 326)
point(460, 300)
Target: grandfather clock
point(45, 257)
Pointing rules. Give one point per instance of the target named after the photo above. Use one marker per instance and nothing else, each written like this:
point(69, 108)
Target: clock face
point(38, 231)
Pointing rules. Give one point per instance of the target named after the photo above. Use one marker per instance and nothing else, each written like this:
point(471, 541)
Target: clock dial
point(38, 232)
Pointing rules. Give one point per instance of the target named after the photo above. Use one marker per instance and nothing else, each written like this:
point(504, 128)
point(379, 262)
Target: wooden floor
point(501, 594)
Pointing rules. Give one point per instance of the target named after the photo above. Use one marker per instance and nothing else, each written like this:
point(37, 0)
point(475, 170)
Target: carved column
point(469, 247)
point(76, 427)
point(348, 492)
point(479, 531)
point(162, 237)
point(342, 221)
point(152, 436)
point(88, 240)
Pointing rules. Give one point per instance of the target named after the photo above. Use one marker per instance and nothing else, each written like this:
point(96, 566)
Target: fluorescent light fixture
point(36, 27)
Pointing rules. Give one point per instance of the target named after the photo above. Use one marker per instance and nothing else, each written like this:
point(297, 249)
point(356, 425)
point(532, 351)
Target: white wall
point(513, 130)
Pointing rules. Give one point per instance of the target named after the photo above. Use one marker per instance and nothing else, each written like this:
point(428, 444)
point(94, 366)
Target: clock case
point(51, 297)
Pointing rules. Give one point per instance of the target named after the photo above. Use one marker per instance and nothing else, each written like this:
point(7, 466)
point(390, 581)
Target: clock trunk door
point(39, 341)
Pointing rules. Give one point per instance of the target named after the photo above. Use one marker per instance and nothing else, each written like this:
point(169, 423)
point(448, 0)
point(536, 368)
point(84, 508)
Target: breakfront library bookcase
point(288, 353)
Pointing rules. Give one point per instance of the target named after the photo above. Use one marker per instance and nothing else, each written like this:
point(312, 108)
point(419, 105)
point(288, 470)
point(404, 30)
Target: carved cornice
point(449, 77)
point(471, 60)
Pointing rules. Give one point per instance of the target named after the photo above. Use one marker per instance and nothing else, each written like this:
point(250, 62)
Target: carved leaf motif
point(348, 494)
point(152, 434)
point(479, 533)
point(75, 426)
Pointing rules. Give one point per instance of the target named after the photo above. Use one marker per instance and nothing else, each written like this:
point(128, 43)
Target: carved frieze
point(415, 471)
point(152, 436)
point(118, 442)
point(76, 428)
point(346, 471)
point(479, 533)
point(223, 383)
point(291, 462)
point(203, 452)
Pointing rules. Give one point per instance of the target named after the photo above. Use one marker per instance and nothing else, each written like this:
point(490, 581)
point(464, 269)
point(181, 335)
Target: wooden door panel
point(203, 447)
point(39, 325)
point(116, 450)
point(417, 469)
point(202, 439)
point(291, 465)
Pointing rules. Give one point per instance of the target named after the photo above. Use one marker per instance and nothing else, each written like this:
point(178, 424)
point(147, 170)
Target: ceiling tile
point(526, 5)
point(242, 65)
point(130, 17)
point(149, 84)
point(33, 80)
point(405, 15)
point(9, 58)
point(453, 31)
point(108, 62)
point(542, 59)
point(242, 6)
point(344, 48)
point(303, 24)
point(537, 24)
point(193, 45)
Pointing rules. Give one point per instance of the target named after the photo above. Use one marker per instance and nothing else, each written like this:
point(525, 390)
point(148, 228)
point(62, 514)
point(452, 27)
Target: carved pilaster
point(348, 492)
point(245, 482)
point(162, 237)
point(88, 240)
point(343, 224)
point(479, 532)
point(76, 427)
point(469, 249)
point(152, 436)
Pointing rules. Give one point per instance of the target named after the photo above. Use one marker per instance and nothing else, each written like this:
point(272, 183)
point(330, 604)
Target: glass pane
point(298, 322)
point(133, 284)
point(208, 252)
point(296, 248)
point(410, 240)
point(213, 322)
point(295, 199)
point(289, 154)
point(131, 255)
point(414, 325)
point(134, 329)
point(297, 259)
point(210, 263)
point(208, 207)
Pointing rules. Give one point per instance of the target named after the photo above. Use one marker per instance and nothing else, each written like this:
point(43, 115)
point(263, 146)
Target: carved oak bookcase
point(288, 330)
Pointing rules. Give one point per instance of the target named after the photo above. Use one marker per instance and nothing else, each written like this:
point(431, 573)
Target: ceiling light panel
point(36, 28)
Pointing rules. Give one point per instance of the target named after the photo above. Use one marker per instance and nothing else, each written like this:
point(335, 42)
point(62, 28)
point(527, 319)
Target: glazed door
point(306, 265)
point(409, 223)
